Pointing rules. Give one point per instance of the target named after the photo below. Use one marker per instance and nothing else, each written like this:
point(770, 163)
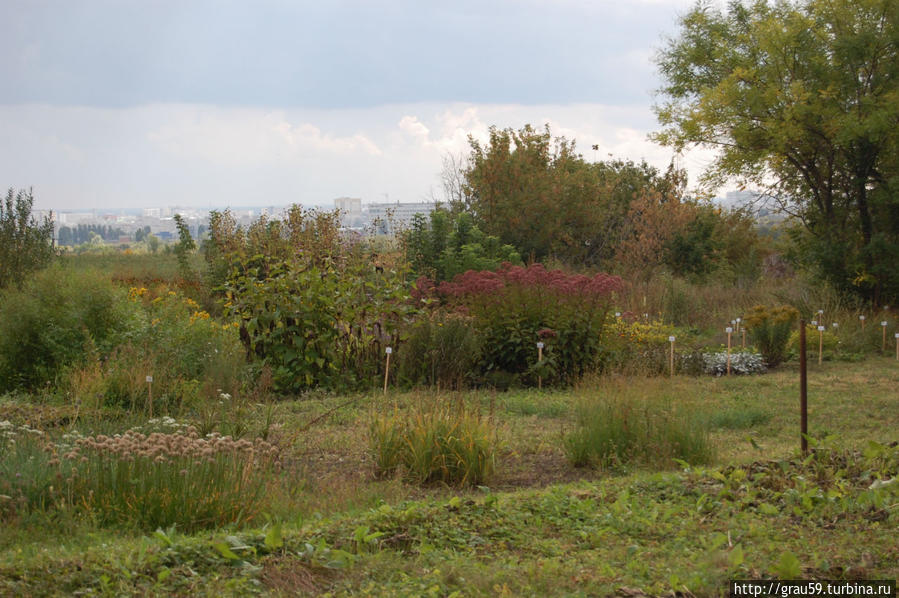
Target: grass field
point(540, 526)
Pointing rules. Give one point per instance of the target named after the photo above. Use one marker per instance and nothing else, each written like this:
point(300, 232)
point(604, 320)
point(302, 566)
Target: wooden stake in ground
point(539, 361)
point(803, 390)
point(862, 320)
point(729, 332)
point(744, 337)
point(883, 344)
point(150, 394)
point(671, 356)
point(897, 346)
point(821, 315)
point(820, 344)
point(388, 351)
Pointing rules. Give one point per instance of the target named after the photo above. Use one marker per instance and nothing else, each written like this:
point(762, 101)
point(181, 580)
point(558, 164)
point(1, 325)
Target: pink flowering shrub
point(515, 307)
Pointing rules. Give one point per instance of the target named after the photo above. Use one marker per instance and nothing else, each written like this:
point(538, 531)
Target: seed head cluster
point(165, 448)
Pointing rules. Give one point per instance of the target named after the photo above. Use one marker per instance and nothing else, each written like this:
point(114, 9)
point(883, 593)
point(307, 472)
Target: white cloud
point(170, 154)
point(245, 137)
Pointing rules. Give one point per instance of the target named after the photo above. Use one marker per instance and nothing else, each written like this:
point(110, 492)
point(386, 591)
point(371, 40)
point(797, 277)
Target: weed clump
point(436, 442)
point(614, 432)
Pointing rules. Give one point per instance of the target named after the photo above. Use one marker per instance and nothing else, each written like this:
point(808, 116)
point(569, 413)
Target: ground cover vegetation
point(561, 410)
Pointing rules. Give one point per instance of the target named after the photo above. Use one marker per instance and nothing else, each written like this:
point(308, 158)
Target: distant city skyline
point(222, 102)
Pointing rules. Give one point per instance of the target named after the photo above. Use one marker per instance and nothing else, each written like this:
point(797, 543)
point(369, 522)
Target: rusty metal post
point(803, 389)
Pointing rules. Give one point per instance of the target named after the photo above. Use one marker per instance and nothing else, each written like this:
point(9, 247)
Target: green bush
point(514, 308)
point(435, 442)
point(613, 432)
point(442, 350)
point(187, 353)
point(832, 344)
point(26, 245)
point(315, 307)
point(769, 330)
point(449, 245)
point(56, 320)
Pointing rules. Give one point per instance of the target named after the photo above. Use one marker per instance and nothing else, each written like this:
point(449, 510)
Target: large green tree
point(26, 244)
point(801, 99)
point(537, 193)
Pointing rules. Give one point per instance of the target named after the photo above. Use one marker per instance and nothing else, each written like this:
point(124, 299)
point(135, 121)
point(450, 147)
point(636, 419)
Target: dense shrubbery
point(189, 355)
point(514, 308)
point(310, 303)
point(638, 347)
point(770, 331)
point(441, 350)
point(58, 319)
point(26, 245)
point(449, 245)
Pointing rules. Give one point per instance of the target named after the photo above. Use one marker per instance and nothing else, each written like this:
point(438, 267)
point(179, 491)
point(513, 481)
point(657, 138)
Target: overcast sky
point(129, 103)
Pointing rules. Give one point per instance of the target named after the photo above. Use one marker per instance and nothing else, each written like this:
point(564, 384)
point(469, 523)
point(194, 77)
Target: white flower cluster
point(10, 431)
point(741, 362)
point(162, 424)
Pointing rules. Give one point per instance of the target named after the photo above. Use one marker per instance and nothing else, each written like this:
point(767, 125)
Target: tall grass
point(435, 442)
point(614, 431)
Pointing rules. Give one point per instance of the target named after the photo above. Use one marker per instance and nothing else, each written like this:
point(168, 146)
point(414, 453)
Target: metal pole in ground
point(803, 389)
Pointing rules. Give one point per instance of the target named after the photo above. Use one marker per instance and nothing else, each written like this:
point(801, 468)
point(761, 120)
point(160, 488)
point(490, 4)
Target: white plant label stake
point(150, 393)
point(388, 351)
point(883, 345)
point(540, 346)
point(820, 344)
point(729, 332)
point(671, 356)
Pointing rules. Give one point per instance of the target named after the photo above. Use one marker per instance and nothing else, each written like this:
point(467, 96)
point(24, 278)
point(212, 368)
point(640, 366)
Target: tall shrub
point(769, 329)
point(26, 245)
point(516, 307)
point(315, 305)
point(56, 316)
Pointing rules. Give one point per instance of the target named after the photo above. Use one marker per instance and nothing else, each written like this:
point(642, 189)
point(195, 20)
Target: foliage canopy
point(26, 245)
point(802, 99)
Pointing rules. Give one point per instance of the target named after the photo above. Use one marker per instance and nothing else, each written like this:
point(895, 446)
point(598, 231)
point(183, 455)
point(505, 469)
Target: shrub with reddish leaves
point(515, 307)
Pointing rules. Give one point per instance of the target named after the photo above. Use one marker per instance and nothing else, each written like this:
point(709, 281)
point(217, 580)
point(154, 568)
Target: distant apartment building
point(389, 215)
point(351, 206)
point(350, 212)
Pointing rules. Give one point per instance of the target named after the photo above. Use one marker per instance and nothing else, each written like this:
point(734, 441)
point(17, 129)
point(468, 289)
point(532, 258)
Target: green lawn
point(540, 527)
